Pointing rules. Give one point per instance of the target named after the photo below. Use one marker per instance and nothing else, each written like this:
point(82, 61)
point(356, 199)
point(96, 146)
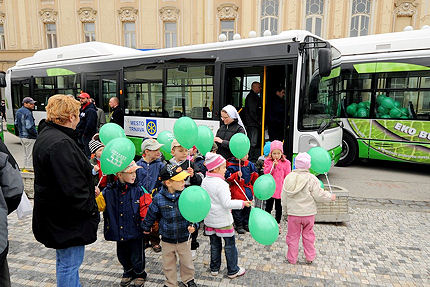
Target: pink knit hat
point(276, 145)
point(213, 160)
point(303, 161)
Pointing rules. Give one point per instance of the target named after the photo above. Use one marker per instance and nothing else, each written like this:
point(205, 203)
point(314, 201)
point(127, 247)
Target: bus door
point(102, 87)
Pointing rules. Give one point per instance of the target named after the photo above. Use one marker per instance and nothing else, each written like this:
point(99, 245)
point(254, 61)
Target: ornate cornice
point(169, 14)
point(405, 8)
point(87, 14)
point(2, 18)
point(48, 15)
point(127, 14)
point(227, 11)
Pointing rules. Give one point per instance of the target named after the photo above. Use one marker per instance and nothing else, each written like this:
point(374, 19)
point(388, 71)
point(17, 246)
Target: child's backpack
point(144, 203)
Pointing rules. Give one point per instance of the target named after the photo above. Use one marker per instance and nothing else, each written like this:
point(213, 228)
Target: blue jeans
point(230, 251)
point(131, 255)
point(68, 262)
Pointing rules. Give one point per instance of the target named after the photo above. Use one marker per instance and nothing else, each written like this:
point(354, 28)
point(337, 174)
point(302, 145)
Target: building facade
point(27, 26)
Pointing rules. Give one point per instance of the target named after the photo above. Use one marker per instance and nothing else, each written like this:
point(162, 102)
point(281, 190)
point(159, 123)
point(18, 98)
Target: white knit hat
point(213, 160)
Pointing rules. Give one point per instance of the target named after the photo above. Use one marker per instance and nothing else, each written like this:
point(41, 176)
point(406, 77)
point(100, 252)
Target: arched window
point(360, 18)
point(269, 16)
point(314, 16)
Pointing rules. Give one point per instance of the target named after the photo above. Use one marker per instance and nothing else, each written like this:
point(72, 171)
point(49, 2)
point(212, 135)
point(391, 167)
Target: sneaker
point(191, 283)
point(156, 248)
point(238, 273)
point(125, 281)
point(214, 273)
point(308, 261)
point(138, 282)
point(194, 254)
point(246, 228)
point(240, 230)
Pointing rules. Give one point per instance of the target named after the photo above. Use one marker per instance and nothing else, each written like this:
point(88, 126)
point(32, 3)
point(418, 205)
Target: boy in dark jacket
point(125, 206)
point(245, 176)
point(174, 229)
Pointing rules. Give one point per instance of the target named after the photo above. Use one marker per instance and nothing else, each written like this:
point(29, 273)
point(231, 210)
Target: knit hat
point(266, 149)
point(302, 161)
point(94, 145)
point(213, 160)
point(276, 145)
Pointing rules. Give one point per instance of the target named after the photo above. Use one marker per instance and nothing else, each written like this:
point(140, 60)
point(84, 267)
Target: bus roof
point(383, 43)
point(99, 52)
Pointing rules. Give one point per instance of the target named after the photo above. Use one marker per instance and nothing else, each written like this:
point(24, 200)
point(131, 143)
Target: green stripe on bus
point(381, 67)
point(137, 143)
point(51, 72)
point(363, 148)
point(334, 73)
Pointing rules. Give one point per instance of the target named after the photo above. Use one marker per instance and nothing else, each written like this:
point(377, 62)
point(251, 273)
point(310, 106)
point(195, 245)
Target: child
point(279, 167)
point(125, 206)
point(219, 221)
point(96, 149)
point(199, 160)
point(179, 154)
point(259, 164)
point(174, 229)
point(301, 190)
point(241, 181)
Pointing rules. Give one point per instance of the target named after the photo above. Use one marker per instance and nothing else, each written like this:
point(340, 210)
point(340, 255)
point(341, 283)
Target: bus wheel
point(349, 150)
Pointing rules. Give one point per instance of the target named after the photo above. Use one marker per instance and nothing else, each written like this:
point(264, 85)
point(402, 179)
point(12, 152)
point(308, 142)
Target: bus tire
point(349, 149)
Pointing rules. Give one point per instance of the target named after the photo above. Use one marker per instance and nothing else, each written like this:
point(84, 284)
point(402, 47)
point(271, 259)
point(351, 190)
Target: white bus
point(158, 86)
point(385, 96)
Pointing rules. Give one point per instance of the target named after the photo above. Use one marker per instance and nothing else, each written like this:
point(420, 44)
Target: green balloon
point(367, 104)
point(382, 111)
point(239, 145)
point(362, 113)
point(186, 132)
point(388, 103)
point(404, 111)
point(205, 139)
point(362, 105)
point(109, 132)
point(117, 155)
point(385, 117)
point(395, 113)
point(351, 109)
point(264, 187)
point(194, 203)
point(263, 227)
point(167, 155)
point(404, 117)
point(165, 138)
point(380, 98)
point(321, 183)
point(397, 104)
point(320, 160)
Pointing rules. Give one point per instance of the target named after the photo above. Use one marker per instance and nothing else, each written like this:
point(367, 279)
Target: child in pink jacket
point(300, 192)
point(279, 167)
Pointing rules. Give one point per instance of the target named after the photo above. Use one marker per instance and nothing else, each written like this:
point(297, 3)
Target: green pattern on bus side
point(363, 148)
point(401, 130)
point(137, 143)
point(361, 127)
point(383, 67)
point(419, 153)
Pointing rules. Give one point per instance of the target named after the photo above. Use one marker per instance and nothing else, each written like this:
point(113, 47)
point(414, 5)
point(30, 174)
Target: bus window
point(44, 87)
point(20, 90)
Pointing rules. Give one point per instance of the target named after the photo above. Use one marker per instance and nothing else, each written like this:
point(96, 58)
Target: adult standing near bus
point(11, 188)
point(232, 124)
point(252, 112)
point(276, 116)
point(117, 115)
point(101, 118)
point(87, 126)
point(65, 214)
point(24, 122)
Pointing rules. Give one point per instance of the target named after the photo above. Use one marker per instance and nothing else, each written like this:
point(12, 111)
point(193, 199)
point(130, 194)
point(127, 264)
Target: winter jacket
point(300, 192)
point(11, 188)
point(24, 122)
point(199, 163)
point(101, 118)
point(65, 212)
point(225, 132)
point(249, 176)
point(279, 172)
point(252, 110)
point(117, 116)
point(172, 225)
point(221, 203)
point(87, 125)
point(191, 180)
point(147, 176)
point(126, 207)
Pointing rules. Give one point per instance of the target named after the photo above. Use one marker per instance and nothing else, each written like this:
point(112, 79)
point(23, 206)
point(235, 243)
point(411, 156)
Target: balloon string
point(189, 236)
point(239, 167)
point(101, 178)
point(271, 169)
point(328, 182)
point(189, 159)
point(242, 190)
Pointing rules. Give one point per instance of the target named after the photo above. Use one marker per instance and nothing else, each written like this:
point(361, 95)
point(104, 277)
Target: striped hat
point(213, 160)
point(94, 145)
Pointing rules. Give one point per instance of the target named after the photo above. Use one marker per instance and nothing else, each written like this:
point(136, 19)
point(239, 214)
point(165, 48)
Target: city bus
point(157, 87)
point(385, 97)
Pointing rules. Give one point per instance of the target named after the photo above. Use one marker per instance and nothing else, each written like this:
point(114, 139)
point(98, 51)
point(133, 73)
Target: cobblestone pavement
point(385, 243)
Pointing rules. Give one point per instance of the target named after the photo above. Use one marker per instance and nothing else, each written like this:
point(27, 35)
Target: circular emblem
point(151, 128)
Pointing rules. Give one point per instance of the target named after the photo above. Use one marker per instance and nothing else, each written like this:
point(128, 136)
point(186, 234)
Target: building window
point(227, 28)
point(89, 32)
point(129, 34)
point(360, 18)
point(170, 35)
point(314, 16)
point(2, 39)
point(51, 35)
point(269, 16)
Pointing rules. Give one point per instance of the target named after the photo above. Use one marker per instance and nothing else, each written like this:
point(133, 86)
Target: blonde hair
point(60, 107)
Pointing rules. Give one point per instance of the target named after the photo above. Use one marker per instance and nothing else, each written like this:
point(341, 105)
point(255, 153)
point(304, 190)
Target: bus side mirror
point(324, 62)
point(2, 79)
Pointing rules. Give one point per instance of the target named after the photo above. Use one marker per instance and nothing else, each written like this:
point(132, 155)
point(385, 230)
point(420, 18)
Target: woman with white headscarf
point(232, 124)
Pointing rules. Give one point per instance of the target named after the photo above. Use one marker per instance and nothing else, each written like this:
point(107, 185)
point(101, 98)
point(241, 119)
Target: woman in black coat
point(232, 124)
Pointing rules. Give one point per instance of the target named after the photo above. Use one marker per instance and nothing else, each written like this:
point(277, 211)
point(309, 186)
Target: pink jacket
point(282, 169)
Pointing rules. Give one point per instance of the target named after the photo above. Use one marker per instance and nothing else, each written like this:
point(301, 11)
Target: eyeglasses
point(224, 118)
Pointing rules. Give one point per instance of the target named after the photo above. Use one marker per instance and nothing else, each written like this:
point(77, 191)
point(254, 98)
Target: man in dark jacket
point(276, 116)
point(11, 188)
point(252, 120)
point(117, 115)
point(65, 214)
point(87, 126)
point(24, 122)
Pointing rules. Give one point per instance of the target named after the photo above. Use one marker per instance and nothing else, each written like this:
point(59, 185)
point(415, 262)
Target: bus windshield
point(319, 100)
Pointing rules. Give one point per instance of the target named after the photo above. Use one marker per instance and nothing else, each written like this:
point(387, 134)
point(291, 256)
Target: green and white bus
point(385, 96)
point(158, 86)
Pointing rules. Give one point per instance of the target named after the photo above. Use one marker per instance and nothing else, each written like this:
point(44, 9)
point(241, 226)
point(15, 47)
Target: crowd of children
point(140, 204)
